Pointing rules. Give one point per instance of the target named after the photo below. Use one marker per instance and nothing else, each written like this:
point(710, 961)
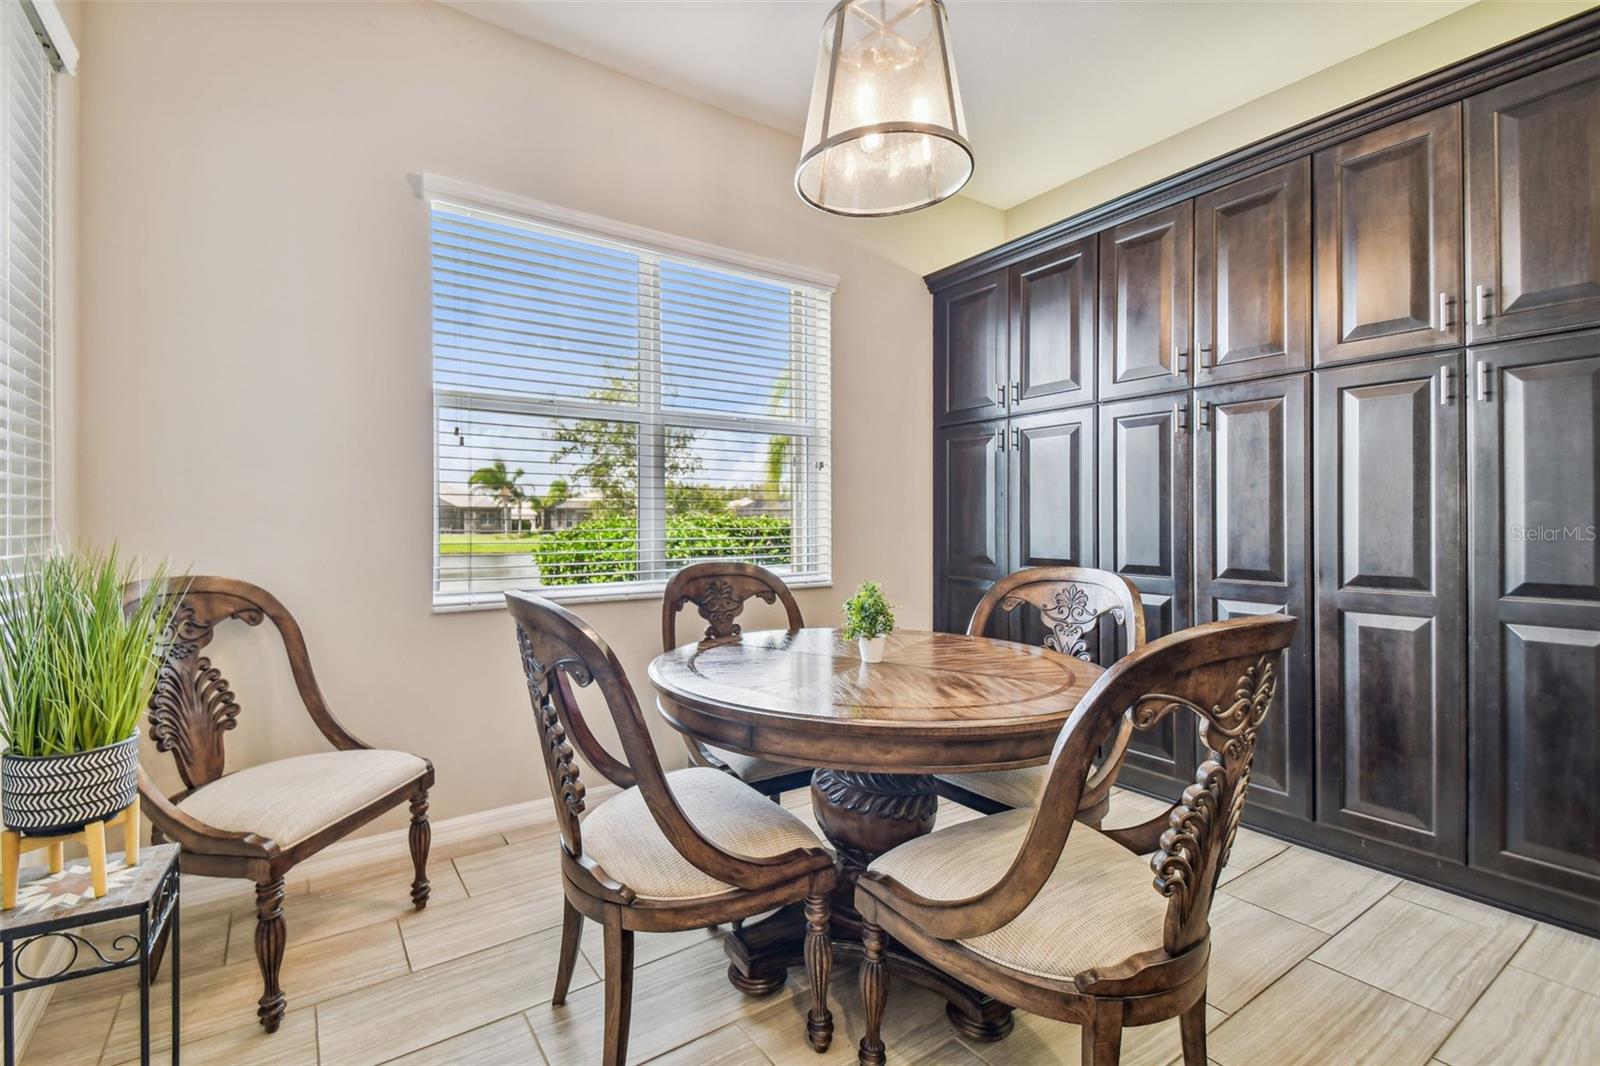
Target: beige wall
point(255, 389)
point(1438, 44)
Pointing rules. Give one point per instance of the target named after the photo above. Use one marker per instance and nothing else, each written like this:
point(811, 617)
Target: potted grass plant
point(868, 620)
point(76, 672)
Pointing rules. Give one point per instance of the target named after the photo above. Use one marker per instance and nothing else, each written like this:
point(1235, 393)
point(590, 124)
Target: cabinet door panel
point(1391, 758)
point(1252, 263)
point(1052, 489)
point(1252, 553)
point(969, 539)
point(1535, 608)
point(969, 350)
point(1145, 272)
point(1144, 536)
point(1389, 240)
point(1533, 203)
point(1052, 328)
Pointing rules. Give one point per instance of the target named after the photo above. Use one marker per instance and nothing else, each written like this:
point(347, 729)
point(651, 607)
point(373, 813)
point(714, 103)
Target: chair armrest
point(195, 835)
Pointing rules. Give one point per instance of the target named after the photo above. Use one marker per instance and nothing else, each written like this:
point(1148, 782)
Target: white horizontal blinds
point(607, 412)
point(27, 82)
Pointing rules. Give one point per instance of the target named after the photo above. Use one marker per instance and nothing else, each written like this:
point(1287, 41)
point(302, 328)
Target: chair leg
point(421, 838)
point(619, 988)
point(819, 964)
point(874, 994)
point(271, 933)
point(1102, 1035)
point(1192, 1022)
point(571, 937)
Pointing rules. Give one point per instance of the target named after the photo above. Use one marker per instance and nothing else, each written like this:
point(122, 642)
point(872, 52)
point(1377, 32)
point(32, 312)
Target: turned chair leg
point(1192, 1022)
point(271, 932)
point(571, 936)
point(421, 838)
point(1102, 1035)
point(874, 994)
point(819, 964)
point(619, 987)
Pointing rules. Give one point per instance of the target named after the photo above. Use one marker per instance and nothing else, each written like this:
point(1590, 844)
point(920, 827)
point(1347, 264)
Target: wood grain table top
point(806, 697)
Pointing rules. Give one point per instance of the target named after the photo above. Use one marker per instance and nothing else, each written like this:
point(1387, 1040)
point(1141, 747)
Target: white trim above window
point(611, 403)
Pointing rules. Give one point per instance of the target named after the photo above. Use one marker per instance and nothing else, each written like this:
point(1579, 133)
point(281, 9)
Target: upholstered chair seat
point(1006, 788)
point(1096, 909)
point(624, 838)
point(753, 770)
point(294, 799)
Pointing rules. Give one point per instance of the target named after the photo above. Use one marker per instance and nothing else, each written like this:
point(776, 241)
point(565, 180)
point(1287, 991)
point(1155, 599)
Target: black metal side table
point(55, 906)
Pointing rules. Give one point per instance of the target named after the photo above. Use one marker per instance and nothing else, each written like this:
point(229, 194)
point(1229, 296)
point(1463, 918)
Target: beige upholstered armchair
point(260, 821)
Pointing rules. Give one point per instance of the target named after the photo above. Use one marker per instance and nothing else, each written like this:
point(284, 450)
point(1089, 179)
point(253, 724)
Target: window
point(28, 60)
point(611, 404)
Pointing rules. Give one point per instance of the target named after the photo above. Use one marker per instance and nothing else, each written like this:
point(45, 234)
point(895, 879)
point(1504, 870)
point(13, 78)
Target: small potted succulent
point(868, 620)
point(76, 672)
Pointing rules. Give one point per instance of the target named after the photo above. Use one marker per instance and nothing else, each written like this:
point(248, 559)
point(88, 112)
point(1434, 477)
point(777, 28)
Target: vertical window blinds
point(606, 412)
point(28, 86)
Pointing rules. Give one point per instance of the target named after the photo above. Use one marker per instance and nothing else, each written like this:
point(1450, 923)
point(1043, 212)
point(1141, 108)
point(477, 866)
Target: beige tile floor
point(1315, 960)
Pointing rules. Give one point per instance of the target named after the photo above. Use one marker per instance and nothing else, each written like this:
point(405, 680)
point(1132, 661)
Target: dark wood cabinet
point(1144, 536)
point(1052, 328)
point(1252, 276)
point(1359, 441)
point(1389, 240)
point(969, 534)
point(1253, 553)
point(1534, 465)
point(1533, 203)
point(1052, 489)
point(1146, 269)
point(970, 327)
point(1391, 614)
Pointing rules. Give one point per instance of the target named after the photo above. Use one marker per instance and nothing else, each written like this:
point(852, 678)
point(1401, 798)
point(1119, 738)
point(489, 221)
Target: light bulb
point(871, 142)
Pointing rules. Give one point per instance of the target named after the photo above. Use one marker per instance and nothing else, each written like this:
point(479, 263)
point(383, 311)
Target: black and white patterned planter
point(48, 794)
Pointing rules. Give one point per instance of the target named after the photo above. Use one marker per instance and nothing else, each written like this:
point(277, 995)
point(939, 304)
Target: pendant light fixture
point(885, 133)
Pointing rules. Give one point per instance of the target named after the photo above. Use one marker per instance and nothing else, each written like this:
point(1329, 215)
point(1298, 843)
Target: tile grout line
point(538, 1044)
point(1434, 1054)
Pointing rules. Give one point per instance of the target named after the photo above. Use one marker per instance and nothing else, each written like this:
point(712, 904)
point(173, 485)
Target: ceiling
point(1052, 90)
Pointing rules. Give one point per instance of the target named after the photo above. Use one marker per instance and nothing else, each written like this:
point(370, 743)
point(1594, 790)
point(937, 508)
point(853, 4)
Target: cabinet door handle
point(1447, 392)
point(1205, 355)
point(1483, 380)
point(1180, 359)
point(1182, 413)
point(1000, 393)
point(1481, 300)
point(1016, 391)
point(1000, 438)
point(1016, 439)
point(1444, 313)
point(1205, 414)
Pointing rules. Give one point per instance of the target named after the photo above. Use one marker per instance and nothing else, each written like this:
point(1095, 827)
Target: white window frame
point(811, 541)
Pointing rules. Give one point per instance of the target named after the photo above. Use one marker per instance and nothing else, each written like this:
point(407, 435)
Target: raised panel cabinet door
point(1052, 327)
point(1389, 240)
point(1391, 609)
point(1144, 536)
point(1052, 489)
point(1534, 461)
point(969, 530)
point(1146, 268)
point(1252, 276)
point(1533, 203)
point(969, 350)
point(1253, 553)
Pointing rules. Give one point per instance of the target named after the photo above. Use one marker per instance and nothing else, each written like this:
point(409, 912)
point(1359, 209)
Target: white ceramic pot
point(871, 648)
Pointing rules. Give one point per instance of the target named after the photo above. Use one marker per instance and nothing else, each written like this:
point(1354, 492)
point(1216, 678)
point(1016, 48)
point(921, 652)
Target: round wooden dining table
point(876, 734)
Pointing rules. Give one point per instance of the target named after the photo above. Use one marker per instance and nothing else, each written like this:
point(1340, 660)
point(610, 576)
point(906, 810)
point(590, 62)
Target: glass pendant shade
point(885, 133)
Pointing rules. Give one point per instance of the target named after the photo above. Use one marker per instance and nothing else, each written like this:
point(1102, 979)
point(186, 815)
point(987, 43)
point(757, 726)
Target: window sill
point(571, 594)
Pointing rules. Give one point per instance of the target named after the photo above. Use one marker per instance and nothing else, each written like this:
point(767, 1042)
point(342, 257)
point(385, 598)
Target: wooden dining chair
point(689, 849)
point(1093, 615)
point(1053, 916)
point(258, 822)
point(719, 590)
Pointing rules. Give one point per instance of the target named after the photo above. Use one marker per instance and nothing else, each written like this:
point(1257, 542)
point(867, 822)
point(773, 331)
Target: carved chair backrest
point(1223, 672)
point(193, 706)
point(558, 649)
point(1093, 615)
point(719, 590)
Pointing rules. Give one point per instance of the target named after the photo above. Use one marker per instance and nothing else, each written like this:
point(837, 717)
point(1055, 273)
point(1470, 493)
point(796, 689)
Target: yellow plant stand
point(14, 845)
